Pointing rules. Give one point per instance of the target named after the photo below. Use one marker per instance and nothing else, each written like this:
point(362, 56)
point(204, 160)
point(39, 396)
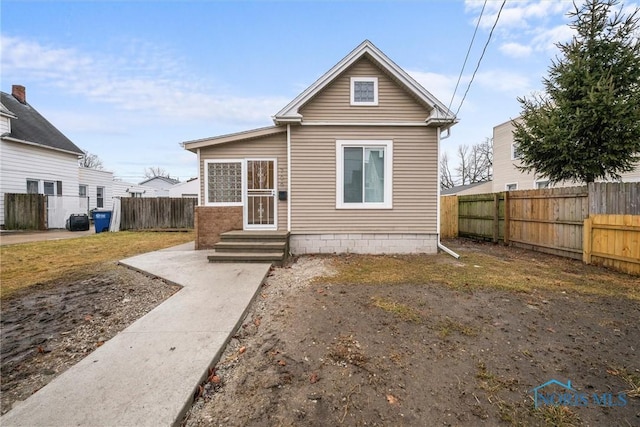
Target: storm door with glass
point(260, 208)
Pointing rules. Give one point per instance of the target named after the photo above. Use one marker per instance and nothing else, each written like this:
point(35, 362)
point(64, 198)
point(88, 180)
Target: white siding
point(505, 172)
point(5, 125)
point(93, 179)
point(19, 162)
point(186, 189)
point(126, 189)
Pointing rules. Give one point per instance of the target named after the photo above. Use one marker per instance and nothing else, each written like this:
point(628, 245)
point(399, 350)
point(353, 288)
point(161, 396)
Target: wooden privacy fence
point(613, 241)
point(25, 211)
point(555, 221)
point(148, 213)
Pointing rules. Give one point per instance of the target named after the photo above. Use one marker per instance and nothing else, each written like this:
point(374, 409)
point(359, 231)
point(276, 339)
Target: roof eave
point(36, 144)
point(194, 145)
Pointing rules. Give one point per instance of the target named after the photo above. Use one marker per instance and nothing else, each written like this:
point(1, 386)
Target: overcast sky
point(131, 80)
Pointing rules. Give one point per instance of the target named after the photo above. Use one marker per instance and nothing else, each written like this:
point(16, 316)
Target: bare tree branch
point(90, 161)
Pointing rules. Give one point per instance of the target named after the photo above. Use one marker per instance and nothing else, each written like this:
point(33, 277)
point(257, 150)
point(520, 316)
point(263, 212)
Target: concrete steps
point(252, 246)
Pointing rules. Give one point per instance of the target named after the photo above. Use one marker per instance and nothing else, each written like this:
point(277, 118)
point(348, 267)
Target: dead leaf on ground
point(282, 362)
point(257, 321)
point(392, 399)
point(314, 378)
point(242, 349)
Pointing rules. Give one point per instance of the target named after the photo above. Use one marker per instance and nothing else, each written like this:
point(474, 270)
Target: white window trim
point(206, 181)
point(513, 152)
point(388, 173)
point(506, 186)
point(55, 188)
point(540, 181)
point(375, 91)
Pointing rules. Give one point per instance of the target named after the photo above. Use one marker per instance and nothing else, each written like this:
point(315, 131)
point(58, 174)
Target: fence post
point(506, 218)
point(496, 217)
point(586, 241)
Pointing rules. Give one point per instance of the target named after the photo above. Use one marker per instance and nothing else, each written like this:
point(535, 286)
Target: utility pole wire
point(481, 56)
point(464, 64)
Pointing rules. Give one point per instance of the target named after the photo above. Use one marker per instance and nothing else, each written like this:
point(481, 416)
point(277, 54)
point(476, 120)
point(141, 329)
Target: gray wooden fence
point(25, 211)
point(151, 213)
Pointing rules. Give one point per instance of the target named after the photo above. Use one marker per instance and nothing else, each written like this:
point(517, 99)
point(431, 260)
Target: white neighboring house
point(35, 157)
point(97, 186)
point(190, 188)
point(162, 184)
point(127, 189)
point(505, 159)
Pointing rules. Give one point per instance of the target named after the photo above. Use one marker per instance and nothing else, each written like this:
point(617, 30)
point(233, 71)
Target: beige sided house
point(350, 165)
point(506, 177)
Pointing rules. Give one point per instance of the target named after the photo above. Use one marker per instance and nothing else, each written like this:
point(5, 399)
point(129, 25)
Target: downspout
point(289, 178)
point(440, 245)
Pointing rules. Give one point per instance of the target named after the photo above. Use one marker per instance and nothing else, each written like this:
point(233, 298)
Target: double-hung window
point(364, 174)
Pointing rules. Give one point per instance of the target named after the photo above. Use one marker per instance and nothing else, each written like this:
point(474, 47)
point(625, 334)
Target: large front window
point(364, 174)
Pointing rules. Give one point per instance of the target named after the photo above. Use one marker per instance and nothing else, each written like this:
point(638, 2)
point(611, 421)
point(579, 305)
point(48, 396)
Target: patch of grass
point(447, 326)
point(494, 267)
point(28, 264)
point(631, 378)
point(490, 382)
point(402, 311)
point(557, 416)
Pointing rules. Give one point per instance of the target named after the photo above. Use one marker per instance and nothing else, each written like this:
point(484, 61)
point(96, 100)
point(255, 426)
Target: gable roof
point(440, 114)
point(169, 181)
point(32, 128)
point(459, 188)
point(233, 137)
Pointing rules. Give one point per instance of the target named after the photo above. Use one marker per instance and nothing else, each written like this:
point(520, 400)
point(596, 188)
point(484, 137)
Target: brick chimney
point(20, 93)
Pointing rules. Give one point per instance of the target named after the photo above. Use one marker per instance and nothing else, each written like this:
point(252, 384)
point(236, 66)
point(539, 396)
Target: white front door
point(260, 205)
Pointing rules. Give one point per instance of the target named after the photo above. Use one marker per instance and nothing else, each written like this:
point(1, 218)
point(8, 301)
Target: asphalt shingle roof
point(31, 126)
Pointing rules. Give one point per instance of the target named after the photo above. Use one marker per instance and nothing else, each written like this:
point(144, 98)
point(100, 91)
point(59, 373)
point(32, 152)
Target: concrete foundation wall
point(364, 243)
point(210, 222)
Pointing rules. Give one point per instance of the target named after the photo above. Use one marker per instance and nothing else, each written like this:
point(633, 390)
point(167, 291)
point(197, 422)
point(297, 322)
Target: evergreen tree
point(587, 124)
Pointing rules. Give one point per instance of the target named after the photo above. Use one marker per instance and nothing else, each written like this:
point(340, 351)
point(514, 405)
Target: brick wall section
point(210, 222)
point(364, 243)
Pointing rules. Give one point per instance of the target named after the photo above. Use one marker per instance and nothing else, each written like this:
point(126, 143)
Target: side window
point(100, 197)
point(32, 186)
point(512, 187)
point(364, 174)
point(50, 188)
point(515, 152)
point(82, 191)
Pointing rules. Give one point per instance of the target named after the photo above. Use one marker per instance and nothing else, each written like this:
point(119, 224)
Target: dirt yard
point(320, 352)
point(381, 341)
point(46, 329)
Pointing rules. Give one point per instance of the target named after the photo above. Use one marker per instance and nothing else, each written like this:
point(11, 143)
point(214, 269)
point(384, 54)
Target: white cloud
point(504, 81)
point(440, 85)
point(516, 50)
point(142, 78)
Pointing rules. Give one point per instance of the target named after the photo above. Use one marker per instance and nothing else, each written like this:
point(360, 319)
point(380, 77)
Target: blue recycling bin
point(101, 220)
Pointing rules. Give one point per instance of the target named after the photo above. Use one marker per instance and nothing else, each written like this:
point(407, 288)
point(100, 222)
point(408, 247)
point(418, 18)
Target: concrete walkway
point(15, 237)
point(147, 374)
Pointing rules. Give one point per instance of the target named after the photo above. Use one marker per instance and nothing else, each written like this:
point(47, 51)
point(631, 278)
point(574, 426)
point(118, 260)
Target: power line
point(467, 56)
point(481, 56)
